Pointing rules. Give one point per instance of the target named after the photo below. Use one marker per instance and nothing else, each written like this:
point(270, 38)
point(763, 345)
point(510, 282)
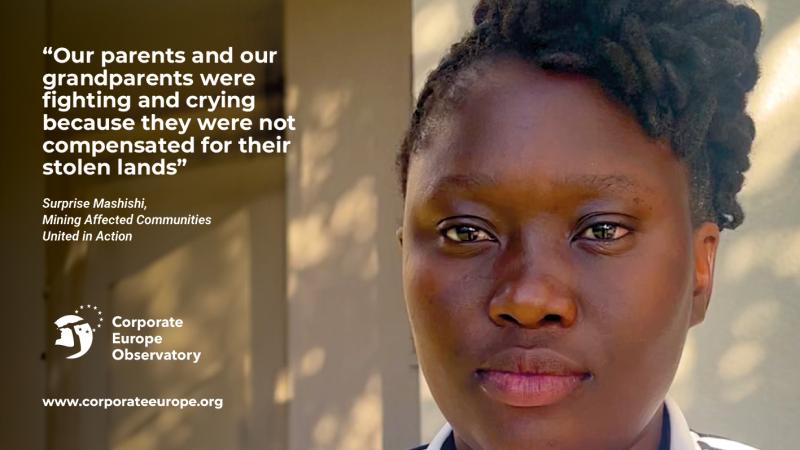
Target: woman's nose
point(534, 300)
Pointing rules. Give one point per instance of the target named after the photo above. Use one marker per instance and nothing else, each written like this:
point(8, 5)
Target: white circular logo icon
point(74, 327)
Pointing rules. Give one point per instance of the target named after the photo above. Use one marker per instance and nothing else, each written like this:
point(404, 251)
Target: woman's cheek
point(444, 295)
point(667, 276)
point(641, 299)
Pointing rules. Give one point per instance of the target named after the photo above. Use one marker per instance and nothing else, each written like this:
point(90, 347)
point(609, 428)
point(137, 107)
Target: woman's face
point(550, 266)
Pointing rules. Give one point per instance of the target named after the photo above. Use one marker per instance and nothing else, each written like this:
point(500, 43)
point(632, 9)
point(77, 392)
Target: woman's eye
point(467, 233)
point(604, 232)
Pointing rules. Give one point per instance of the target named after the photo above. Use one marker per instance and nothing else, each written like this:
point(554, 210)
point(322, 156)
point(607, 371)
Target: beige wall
point(352, 371)
point(226, 281)
point(333, 366)
point(737, 376)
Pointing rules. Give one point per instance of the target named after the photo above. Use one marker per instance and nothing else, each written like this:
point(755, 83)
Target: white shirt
point(681, 437)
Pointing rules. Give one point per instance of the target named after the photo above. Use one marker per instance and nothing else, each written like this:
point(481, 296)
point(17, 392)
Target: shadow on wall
point(350, 356)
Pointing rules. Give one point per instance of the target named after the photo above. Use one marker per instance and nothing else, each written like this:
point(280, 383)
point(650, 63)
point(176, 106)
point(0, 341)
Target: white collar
point(680, 436)
point(441, 436)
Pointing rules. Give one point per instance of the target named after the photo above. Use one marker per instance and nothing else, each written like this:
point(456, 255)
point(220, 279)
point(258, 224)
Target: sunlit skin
point(551, 267)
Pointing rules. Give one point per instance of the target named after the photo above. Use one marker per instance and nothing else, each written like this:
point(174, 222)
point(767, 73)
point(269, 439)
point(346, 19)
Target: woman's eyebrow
point(460, 182)
point(613, 183)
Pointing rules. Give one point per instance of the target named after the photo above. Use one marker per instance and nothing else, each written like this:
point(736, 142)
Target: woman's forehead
point(522, 125)
point(514, 98)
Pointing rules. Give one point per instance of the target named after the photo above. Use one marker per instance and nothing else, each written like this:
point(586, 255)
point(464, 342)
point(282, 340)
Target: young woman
point(566, 175)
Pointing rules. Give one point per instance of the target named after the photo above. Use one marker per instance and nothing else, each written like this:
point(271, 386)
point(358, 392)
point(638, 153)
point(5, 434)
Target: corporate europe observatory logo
point(77, 330)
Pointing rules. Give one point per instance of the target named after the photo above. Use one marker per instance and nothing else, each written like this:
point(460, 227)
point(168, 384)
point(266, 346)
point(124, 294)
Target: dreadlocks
point(681, 67)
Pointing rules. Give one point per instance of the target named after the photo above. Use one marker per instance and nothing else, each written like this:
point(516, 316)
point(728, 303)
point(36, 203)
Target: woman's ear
point(399, 234)
point(706, 239)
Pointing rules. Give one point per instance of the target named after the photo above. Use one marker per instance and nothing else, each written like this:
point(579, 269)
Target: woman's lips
point(526, 389)
point(530, 377)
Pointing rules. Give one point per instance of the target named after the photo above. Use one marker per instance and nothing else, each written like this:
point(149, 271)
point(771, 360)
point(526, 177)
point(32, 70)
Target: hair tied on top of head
point(683, 69)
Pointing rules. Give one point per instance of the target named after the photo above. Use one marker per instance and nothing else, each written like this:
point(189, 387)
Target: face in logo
point(71, 326)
